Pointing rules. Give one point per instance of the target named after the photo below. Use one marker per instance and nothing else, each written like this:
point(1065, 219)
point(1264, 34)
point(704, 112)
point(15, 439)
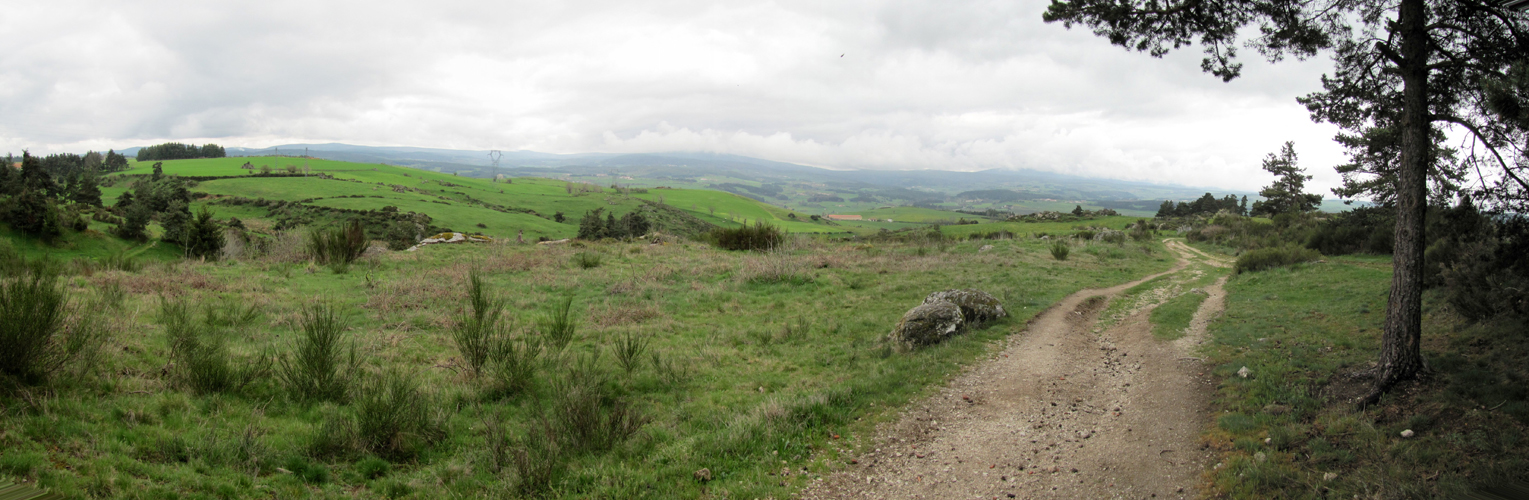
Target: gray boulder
point(976, 306)
point(927, 324)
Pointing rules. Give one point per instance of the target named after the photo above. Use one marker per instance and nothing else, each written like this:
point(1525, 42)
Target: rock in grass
point(928, 324)
point(1244, 372)
point(976, 306)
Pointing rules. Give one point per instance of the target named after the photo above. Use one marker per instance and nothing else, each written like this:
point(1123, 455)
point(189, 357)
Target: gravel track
point(1061, 412)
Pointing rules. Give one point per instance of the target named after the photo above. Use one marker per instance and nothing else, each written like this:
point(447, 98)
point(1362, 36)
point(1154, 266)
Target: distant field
point(913, 214)
point(446, 197)
point(1117, 222)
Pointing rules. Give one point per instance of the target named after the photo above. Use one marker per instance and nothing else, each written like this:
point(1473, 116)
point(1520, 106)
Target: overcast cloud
point(960, 85)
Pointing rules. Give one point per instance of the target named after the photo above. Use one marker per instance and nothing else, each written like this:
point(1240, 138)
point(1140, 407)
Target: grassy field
point(1296, 329)
point(460, 203)
point(762, 369)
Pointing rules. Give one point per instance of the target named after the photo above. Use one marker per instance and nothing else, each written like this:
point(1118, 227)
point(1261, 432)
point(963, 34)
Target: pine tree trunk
point(1400, 355)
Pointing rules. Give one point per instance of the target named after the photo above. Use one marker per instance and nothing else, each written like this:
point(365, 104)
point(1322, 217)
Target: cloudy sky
point(949, 84)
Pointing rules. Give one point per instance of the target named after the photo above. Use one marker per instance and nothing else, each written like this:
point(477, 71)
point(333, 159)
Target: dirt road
point(1064, 411)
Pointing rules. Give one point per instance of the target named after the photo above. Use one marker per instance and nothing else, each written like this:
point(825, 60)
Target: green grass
point(740, 373)
point(1028, 228)
point(1170, 319)
point(93, 243)
point(530, 202)
point(1296, 329)
point(914, 214)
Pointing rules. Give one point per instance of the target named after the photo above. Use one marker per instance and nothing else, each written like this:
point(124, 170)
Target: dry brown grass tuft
point(609, 315)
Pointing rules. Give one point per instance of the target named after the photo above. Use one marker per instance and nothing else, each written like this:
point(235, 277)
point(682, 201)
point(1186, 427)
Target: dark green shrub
point(33, 311)
point(513, 363)
point(588, 415)
point(311, 473)
point(760, 236)
point(393, 417)
point(1269, 258)
point(538, 460)
point(338, 246)
point(373, 467)
point(557, 325)
point(629, 350)
point(204, 236)
point(587, 260)
point(479, 330)
point(1059, 250)
point(321, 363)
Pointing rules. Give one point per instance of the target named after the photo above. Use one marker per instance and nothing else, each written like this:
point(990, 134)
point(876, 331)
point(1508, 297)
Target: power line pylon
point(494, 157)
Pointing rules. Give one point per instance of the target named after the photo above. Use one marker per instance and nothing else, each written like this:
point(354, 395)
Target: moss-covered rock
point(976, 306)
point(927, 324)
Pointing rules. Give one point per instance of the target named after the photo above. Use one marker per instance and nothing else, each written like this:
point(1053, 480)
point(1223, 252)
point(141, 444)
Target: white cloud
point(921, 85)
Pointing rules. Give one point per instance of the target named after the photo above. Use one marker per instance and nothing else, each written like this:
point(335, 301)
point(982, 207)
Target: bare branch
point(1480, 137)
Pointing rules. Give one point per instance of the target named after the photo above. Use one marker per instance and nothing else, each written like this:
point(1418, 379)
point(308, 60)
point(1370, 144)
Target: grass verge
point(1281, 436)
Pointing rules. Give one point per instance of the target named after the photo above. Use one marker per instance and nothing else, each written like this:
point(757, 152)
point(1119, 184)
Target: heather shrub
point(760, 236)
point(1269, 258)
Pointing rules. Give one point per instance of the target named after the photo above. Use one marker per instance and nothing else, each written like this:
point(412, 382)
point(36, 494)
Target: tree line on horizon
point(178, 151)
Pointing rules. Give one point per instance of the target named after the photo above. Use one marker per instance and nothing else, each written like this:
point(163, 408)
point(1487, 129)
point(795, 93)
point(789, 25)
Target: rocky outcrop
point(976, 305)
point(928, 324)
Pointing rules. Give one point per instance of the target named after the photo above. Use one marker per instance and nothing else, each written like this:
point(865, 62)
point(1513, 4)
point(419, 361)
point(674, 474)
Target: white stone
point(1408, 433)
point(1244, 372)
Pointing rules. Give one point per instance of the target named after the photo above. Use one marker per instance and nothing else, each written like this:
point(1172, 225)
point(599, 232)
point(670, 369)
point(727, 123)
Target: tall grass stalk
point(480, 329)
point(557, 325)
point(629, 350)
point(321, 363)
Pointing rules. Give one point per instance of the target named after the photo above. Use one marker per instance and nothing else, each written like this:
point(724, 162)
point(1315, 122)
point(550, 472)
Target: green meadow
point(738, 374)
point(458, 203)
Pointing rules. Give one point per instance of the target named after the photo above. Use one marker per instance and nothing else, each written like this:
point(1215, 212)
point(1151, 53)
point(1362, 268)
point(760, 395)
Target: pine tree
point(175, 219)
point(1402, 69)
point(136, 222)
point(1166, 209)
point(204, 236)
point(87, 190)
point(1285, 194)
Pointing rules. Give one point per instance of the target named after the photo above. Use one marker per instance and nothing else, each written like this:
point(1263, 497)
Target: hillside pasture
point(753, 364)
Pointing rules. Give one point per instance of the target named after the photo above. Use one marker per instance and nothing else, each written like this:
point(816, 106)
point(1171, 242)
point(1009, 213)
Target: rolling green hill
point(457, 203)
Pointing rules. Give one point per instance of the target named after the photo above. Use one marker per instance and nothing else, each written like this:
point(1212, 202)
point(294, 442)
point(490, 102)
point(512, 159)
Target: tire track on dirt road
point(1061, 412)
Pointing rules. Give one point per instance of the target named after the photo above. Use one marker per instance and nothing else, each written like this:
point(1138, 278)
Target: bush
point(537, 460)
point(1491, 276)
point(557, 325)
point(1059, 250)
point(338, 247)
point(33, 310)
point(587, 414)
point(479, 330)
point(629, 350)
point(393, 417)
point(759, 237)
point(513, 364)
point(199, 354)
point(204, 236)
point(586, 260)
point(315, 369)
point(1269, 258)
